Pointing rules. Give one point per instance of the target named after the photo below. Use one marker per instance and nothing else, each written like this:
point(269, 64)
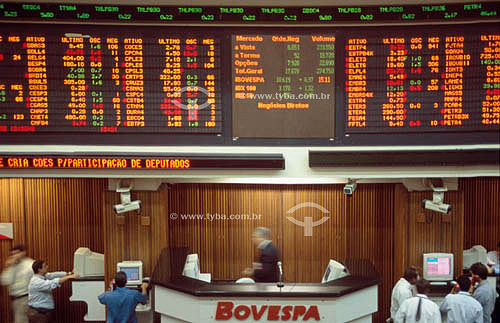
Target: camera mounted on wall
point(126, 205)
point(437, 203)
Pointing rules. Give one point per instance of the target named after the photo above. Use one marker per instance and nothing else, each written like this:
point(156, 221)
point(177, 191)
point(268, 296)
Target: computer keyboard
point(439, 283)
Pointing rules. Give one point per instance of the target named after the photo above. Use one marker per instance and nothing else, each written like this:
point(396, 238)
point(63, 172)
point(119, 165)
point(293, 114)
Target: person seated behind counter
point(266, 269)
point(122, 301)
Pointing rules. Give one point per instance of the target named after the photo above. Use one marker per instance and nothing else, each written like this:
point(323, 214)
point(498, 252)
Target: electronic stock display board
point(286, 81)
point(111, 81)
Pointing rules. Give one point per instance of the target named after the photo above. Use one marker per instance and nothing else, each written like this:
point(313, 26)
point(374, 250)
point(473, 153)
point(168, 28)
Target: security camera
point(349, 188)
point(437, 203)
point(122, 208)
point(442, 208)
point(126, 204)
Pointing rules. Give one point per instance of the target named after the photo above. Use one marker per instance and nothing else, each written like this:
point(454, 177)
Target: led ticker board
point(283, 85)
point(108, 79)
point(250, 15)
point(425, 81)
point(153, 162)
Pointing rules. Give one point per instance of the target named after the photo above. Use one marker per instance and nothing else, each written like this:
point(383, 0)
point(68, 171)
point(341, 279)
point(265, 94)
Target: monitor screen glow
point(438, 266)
point(131, 272)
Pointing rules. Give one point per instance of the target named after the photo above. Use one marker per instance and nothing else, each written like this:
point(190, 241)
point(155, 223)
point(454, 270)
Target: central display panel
point(283, 85)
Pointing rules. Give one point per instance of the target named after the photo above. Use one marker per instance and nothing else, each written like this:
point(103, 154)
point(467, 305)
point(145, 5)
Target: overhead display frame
point(166, 110)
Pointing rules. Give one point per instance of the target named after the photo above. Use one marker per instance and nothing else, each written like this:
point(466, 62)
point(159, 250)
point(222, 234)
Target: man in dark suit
point(266, 269)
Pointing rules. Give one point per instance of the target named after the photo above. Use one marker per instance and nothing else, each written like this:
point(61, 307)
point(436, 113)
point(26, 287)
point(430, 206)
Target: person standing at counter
point(122, 301)
point(40, 299)
point(17, 275)
point(483, 292)
point(403, 289)
point(460, 305)
point(419, 308)
point(266, 269)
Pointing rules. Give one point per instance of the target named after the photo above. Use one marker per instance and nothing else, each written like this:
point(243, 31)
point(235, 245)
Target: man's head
point(411, 275)
point(120, 279)
point(423, 286)
point(40, 267)
point(464, 283)
point(18, 252)
point(479, 271)
point(260, 234)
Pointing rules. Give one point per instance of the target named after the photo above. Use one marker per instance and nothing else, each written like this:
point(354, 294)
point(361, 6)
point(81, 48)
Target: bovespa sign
point(228, 310)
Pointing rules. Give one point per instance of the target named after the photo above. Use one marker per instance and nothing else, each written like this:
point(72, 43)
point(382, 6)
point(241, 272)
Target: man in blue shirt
point(40, 300)
point(483, 292)
point(122, 301)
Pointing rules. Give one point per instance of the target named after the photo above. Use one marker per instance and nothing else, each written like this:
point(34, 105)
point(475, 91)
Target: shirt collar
point(263, 244)
point(483, 282)
point(422, 295)
point(40, 276)
point(463, 293)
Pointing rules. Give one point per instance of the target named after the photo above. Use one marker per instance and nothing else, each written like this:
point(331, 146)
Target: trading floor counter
point(182, 299)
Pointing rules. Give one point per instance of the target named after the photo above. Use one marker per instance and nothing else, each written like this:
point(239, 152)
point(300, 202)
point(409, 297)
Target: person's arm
point(437, 316)
point(403, 294)
point(401, 314)
point(68, 277)
point(479, 316)
point(481, 298)
point(142, 297)
point(102, 298)
point(8, 275)
point(57, 274)
point(444, 305)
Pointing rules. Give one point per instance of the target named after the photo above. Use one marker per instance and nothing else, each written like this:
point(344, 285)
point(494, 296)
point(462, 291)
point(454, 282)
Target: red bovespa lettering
point(258, 314)
point(224, 311)
point(242, 312)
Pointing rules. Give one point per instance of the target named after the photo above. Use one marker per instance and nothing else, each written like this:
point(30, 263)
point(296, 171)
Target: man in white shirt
point(419, 308)
point(403, 289)
point(17, 275)
point(460, 305)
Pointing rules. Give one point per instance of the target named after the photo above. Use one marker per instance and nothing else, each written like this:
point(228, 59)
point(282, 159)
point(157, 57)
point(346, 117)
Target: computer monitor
point(87, 263)
point(475, 254)
point(192, 266)
point(334, 270)
point(438, 266)
point(133, 270)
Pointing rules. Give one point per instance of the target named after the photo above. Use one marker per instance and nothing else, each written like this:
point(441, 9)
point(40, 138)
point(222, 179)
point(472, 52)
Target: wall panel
point(134, 235)
point(53, 217)
point(482, 211)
